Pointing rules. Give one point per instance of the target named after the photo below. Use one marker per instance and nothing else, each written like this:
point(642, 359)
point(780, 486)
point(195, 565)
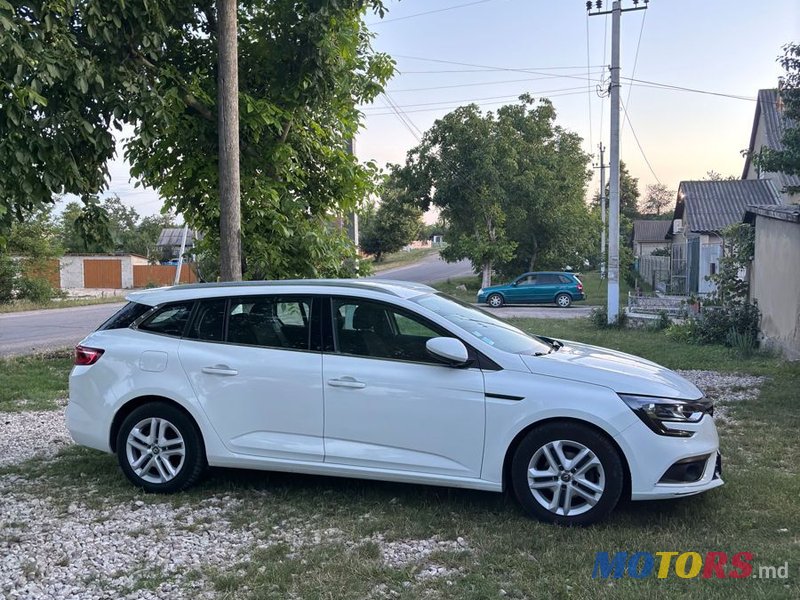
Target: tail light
point(85, 356)
point(580, 286)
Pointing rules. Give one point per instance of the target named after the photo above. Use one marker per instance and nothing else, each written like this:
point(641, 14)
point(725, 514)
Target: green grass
point(402, 258)
point(22, 305)
point(756, 511)
point(450, 287)
point(596, 289)
point(34, 382)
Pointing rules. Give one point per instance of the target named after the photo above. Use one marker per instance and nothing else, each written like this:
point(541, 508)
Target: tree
point(82, 68)
point(396, 221)
point(657, 198)
point(509, 185)
point(787, 159)
point(714, 176)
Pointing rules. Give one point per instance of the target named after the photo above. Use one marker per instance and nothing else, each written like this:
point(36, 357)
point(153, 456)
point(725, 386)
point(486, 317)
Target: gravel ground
point(51, 549)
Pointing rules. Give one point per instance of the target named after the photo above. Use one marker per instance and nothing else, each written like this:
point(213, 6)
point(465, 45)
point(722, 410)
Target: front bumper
point(650, 456)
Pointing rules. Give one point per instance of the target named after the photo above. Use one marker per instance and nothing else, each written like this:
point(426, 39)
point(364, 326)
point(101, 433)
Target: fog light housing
point(686, 470)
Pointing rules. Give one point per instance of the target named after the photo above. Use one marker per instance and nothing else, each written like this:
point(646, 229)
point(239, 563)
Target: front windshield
point(482, 325)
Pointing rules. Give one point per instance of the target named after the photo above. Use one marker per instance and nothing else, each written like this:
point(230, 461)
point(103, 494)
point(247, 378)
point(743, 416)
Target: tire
point(593, 485)
point(564, 300)
point(167, 465)
point(495, 300)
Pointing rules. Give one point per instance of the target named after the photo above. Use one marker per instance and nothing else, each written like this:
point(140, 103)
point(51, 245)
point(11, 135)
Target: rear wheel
point(564, 300)
point(495, 301)
point(567, 473)
point(160, 449)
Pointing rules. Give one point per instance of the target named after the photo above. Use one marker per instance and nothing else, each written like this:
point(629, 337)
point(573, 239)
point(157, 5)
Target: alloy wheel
point(155, 450)
point(566, 478)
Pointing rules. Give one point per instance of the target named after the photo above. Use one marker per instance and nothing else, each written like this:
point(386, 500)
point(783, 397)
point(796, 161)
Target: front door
point(389, 405)
point(523, 290)
point(257, 372)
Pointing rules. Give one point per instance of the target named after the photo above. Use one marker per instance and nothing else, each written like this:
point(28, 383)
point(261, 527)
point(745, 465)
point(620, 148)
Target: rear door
point(547, 286)
point(256, 367)
point(388, 404)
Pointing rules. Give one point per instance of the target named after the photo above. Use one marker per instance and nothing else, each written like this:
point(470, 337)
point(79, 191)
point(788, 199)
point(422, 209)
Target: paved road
point(429, 270)
point(540, 312)
point(39, 330)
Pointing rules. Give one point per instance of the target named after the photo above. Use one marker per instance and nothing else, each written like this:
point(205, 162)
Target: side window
point(209, 321)
point(125, 316)
point(169, 320)
point(375, 330)
point(270, 321)
point(529, 280)
point(548, 279)
point(564, 279)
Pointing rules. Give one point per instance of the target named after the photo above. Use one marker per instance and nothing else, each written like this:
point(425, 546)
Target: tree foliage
point(787, 159)
point(394, 223)
point(657, 199)
point(72, 70)
point(510, 186)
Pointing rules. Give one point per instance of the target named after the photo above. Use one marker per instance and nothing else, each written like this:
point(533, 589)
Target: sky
point(550, 48)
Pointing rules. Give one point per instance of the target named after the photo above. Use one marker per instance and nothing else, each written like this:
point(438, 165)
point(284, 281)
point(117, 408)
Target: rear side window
point(209, 321)
point(548, 279)
point(169, 320)
point(565, 279)
point(125, 316)
point(270, 322)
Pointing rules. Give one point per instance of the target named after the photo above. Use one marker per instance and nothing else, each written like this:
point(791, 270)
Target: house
point(169, 241)
point(775, 275)
point(703, 209)
point(769, 126)
point(649, 235)
point(99, 271)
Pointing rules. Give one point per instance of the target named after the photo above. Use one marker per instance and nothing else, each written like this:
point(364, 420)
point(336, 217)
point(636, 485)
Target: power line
point(506, 96)
point(635, 62)
point(589, 85)
point(397, 113)
point(481, 83)
point(429, 12)
point(403, 113)
point(489, 70)
point(638, 143)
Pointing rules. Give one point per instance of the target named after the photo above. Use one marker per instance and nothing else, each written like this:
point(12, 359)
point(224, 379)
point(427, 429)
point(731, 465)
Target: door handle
point(347, 382)
point(220, 370)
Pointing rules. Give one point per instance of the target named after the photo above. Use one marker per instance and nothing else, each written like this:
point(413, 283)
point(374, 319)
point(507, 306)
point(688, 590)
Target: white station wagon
point(383, 380)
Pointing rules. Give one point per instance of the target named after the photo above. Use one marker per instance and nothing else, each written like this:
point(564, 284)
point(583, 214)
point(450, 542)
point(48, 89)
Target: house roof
point(790, 212)
point(174, 235)
point(775, 125)
point(711, 206)
point(650, 230)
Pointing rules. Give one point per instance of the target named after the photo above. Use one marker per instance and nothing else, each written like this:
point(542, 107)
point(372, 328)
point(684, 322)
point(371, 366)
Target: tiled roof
point(775, 125)
point(710, 206)
point(650, 230)
point(174, 236)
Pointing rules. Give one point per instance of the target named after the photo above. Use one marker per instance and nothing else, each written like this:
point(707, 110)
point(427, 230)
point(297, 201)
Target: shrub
point(34, 289)
point(685, 332)
point(8, 275)
point(599, 319)
point(743, 344)
point(717, 322)
point(662, 322)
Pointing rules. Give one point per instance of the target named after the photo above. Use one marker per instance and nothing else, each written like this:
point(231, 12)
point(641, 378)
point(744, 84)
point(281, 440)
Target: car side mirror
point(448, 350)
point(514, 283)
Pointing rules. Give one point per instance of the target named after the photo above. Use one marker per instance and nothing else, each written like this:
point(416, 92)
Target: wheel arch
point(512, 448)
point(134, 403)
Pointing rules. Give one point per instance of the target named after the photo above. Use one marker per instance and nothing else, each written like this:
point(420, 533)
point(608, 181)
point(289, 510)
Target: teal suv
point(555, 287)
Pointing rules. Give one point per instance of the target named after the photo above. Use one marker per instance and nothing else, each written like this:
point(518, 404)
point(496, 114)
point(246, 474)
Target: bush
point(716, 323)
point(685, 333)
point(599, 319)
point(8, 275)
point(743, 344)
point(34, 289)
point(663, 321)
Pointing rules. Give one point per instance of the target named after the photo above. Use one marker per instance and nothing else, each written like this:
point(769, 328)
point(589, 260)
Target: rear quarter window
point(170, 319)
point(125, 316)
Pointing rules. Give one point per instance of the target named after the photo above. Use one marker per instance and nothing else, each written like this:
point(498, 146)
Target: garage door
point(102, 273)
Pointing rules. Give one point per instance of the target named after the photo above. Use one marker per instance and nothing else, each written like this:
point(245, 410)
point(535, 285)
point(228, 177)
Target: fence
point(654, 271)
point(158, 275)
point(674, 306)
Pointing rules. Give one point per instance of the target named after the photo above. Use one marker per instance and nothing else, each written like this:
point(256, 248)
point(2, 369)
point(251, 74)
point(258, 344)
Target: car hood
point(494, 288)
point(623, 373)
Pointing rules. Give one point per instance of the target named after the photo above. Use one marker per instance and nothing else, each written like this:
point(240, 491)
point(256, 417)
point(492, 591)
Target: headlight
point(480, 291)
point(656, 412)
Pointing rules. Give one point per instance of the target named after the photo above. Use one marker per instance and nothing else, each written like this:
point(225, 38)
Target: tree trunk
point(486, 280)
point(230, 216)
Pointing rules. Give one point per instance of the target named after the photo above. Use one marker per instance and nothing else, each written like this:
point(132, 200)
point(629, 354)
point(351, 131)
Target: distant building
point(649, 235)
point(169, 242)
point(769, 127)
point(702, 210)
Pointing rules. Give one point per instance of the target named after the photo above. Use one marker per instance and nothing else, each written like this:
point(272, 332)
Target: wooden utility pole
point(230, 214)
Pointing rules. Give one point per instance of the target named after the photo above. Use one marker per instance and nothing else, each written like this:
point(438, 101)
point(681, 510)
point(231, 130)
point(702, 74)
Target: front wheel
point(160, 449)
point(567, 473)
point(495, 301)
point(564, 300)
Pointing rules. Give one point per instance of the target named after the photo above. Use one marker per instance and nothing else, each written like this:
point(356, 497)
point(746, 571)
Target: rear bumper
point(86, 421)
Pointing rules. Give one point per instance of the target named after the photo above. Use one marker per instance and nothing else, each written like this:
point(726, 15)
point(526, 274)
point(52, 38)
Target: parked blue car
point(535, 288)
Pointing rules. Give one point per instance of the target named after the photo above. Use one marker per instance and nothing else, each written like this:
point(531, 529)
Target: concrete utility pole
point(230, 210)
point(613, 208)
point(602, 166)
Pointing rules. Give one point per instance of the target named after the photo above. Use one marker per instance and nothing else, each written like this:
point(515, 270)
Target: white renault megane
point(383, 380)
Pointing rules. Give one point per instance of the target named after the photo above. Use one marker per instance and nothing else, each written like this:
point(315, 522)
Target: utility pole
point(602, 166)
point(613, 208)
point(230, 210)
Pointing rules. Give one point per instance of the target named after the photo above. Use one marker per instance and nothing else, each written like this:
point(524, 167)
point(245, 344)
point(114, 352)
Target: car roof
point(399, 289)
point(549, 273)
